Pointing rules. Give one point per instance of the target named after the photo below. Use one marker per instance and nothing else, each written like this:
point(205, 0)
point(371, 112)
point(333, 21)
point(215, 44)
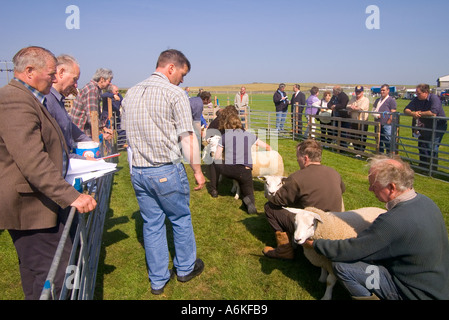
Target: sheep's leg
point(236, 189)
point(330, 283)
point(323, 275)
point(234, 186)
point(206, 155)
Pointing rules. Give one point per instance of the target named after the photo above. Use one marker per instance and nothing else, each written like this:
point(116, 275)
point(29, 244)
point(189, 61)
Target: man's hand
point(308, 244)
point(200, 180)
point(84, 203)
point(107, 134)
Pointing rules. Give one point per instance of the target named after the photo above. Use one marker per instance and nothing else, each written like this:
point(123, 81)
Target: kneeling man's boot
point(371, 297)
point(284, 248)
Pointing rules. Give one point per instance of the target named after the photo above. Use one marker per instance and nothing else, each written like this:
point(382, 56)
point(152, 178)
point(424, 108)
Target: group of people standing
point(36, 137)
point(337, 103)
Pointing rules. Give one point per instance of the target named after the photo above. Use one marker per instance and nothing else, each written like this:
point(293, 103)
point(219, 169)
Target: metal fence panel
point(81, 271)
point(342, 135)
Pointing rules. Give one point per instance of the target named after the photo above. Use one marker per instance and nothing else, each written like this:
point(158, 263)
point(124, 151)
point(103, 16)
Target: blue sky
point(240, 41)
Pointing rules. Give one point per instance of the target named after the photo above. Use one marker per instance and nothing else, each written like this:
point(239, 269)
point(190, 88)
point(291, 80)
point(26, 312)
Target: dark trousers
point(280, 219)
point(360, 137)
point(344, 134)
point(242, 174)
point(326, 132)
point(428, 149)
point(35, 250)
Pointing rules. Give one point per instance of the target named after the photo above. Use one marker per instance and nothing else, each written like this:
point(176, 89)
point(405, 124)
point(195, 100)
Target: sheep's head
point(305, 225)
point(272, 184)
point(213, 141)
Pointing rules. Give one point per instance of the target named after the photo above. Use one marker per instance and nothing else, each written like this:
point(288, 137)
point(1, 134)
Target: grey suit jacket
point(32, 187)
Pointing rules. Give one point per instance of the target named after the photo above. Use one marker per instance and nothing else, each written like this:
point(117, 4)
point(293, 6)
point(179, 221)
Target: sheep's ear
point(263, 178)
point(316, 216)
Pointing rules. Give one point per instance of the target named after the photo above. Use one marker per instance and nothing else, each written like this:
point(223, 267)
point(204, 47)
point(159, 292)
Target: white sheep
point(272, 184)
point(210, 148)
point(265, 163)
point(314, 223)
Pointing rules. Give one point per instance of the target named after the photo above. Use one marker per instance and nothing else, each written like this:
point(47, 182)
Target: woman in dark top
point(237, 163)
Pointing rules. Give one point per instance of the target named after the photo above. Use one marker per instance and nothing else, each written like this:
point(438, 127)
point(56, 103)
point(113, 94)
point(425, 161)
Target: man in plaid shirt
point(88, 100)
point(159, 128)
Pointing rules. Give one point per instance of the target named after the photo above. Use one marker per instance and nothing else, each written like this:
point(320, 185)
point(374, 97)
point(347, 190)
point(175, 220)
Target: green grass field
point(228, 240)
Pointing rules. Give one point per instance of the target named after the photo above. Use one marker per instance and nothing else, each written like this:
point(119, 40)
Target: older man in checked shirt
point(88, 100)
point(158, 122)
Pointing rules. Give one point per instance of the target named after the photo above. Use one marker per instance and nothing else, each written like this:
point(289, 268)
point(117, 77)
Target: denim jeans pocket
point(164, 183)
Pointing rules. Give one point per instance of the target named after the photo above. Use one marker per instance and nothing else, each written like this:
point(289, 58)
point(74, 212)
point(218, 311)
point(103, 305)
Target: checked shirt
point(86, 101)
point(156, 113)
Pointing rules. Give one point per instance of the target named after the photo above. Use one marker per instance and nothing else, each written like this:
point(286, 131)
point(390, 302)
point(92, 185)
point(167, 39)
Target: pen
point(110, 156)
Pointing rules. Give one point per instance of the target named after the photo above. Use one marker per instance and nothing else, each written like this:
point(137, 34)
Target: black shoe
point(197, 269)
point(214, 193)
point(249, 205)
point(161, 290)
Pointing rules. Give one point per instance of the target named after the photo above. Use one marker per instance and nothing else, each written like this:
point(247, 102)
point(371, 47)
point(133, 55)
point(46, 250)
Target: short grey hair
point(67, 60)
point(34, 56)
point(337, 89)
point(102, 73)
point(392, 170)
point(111, 87)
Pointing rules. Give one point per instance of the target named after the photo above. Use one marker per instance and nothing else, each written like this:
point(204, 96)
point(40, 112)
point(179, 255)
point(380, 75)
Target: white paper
point(87, 169)
point(130, 159)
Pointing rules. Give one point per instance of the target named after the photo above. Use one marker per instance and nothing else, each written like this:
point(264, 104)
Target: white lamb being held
point(272, 184)
point(314, 223)
point(209, 150)
point(265, 163)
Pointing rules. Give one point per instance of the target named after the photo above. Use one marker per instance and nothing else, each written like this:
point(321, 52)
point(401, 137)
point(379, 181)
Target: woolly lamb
point(265, 163)
point(209, 150)
point(316, 224)
point(272, 184)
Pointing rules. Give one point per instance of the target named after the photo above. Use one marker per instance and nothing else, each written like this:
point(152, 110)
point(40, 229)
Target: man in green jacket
point(404, 254)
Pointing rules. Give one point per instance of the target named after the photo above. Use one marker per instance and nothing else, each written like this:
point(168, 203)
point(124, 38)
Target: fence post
point(338, 122)
point(432, 147)
point(295, 120)
point(394, 133)
point(94, 126)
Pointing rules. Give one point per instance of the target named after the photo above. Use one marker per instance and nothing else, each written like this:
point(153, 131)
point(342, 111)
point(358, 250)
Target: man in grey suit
point(33, 163)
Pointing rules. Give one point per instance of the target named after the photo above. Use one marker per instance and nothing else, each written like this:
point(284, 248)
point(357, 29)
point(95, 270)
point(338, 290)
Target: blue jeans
point(363, 279)
point(164, 192)
point(385, 138)
point(280, 119)
point(429, 148)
